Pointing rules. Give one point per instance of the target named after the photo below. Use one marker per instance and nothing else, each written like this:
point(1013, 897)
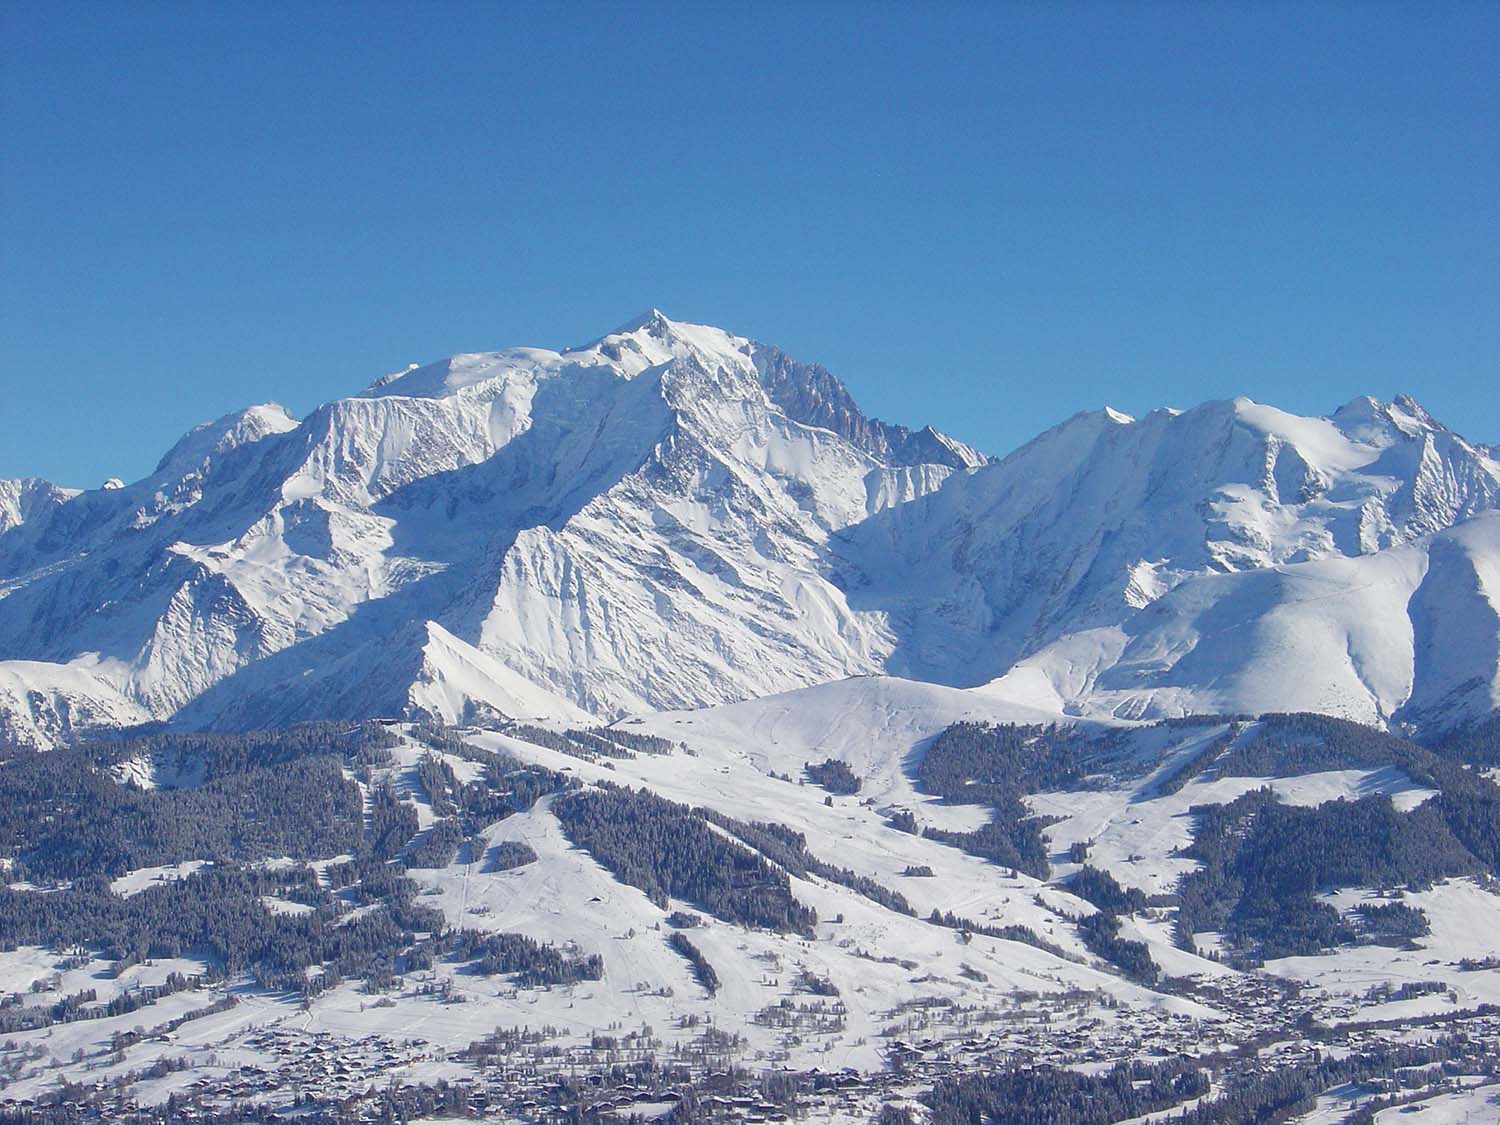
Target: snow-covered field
point(1465, 921)
point(1138, 841)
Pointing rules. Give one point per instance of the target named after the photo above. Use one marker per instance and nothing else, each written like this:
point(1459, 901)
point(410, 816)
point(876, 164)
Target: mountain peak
point(652, 319)
point(1416, 411)
point(655, 338)
point(25, 497)
point(1368, 419)
point(211, 439)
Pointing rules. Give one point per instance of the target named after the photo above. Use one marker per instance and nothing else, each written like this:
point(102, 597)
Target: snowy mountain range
point(745, 778)
point(675, 517)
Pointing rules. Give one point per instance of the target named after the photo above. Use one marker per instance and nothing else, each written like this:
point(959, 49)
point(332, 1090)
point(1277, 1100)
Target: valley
point(872, 1004)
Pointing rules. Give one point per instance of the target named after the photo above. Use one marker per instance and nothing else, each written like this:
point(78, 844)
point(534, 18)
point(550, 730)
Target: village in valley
point(875, 1006)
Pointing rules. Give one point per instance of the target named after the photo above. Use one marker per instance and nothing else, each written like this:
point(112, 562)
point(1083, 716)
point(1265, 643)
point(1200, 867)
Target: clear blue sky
point(986, 217)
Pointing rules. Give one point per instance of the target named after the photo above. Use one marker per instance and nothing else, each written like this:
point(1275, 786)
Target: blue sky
point(981, 216)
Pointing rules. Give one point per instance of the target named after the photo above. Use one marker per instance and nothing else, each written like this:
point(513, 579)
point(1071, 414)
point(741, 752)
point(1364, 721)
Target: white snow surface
point(677, 517)
point(1087, 527)
point(1410, 634)
point(28, 498)
point(737, 759)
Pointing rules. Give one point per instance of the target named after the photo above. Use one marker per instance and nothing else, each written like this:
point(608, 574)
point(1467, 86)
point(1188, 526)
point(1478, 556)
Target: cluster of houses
point(545, 1077)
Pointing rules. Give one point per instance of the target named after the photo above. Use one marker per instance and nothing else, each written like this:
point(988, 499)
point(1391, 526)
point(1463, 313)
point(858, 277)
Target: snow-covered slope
point(1410, 634)
point(1086, 527)
point(28, 498)
point(45, 704)
point(676, 517)
point(634, 524)
point(924, 958)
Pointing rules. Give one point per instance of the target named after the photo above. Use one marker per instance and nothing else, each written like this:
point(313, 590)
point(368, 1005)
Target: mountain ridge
point(672, 516)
